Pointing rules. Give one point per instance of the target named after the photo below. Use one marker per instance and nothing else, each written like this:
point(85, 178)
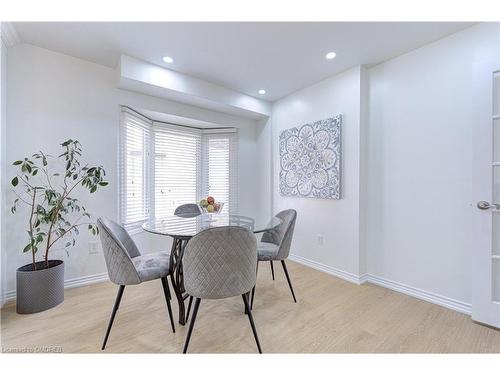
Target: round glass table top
point(190, 225)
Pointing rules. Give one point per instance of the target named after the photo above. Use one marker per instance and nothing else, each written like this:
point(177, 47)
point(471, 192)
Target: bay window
point(163, 166)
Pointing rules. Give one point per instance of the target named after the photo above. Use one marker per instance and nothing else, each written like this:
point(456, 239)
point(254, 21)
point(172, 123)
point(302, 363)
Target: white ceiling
point(279, 57)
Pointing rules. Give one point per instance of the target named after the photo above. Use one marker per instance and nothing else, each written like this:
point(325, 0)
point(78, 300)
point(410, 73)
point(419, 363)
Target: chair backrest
point(283, 234)
point(118, 249)
point(187, 209)
point(220, 262)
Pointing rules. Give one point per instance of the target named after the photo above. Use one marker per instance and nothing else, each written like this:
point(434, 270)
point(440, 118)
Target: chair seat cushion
point(152, 266)
point(267, 251)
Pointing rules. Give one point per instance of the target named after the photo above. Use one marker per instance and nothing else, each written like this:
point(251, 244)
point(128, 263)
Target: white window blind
point(219, 168)
point(134, 169)
point(177, 167)
point(163, 166)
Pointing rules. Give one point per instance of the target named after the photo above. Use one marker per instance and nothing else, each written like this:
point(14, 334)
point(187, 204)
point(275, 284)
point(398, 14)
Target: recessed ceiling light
point(168, 59)
point(331, 55)
point(262, 92)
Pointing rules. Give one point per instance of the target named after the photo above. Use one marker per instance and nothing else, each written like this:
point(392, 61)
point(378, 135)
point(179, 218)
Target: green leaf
point(15, 181)
point(17, 162)
point(27, 248)
point(66, 143)
point(35, 172)
point(103, 183)
point(28, 167)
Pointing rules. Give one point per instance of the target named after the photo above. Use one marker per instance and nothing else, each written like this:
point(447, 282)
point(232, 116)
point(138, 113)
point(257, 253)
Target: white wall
point(404, 218)
point(264, 169)
point(52, 97)
point(337, 221)
point(423, 109)
point(3, 263)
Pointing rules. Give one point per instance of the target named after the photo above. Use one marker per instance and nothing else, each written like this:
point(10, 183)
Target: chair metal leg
point(166, 291)
point(189, 307)
point(272, 268)
point(253, 289)
point(253, 294)
point(191, 324)
point(112, 318)
point(250, 317)
point(288, 279)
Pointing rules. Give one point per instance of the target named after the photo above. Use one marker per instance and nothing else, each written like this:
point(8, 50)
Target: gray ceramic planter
point(41, 289)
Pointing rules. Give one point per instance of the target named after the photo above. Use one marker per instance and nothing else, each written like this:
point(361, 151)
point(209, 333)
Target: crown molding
point(10, 37)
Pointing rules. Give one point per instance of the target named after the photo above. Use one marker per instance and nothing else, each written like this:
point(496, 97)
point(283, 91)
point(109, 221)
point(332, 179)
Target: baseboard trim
point(327, 269)
point(68, 284)
point(431, 297)
point(450, 303)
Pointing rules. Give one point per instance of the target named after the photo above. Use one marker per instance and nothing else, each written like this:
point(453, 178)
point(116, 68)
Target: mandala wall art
point(310, 158)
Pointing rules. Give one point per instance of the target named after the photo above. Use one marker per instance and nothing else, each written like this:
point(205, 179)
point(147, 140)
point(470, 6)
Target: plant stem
point(46, 172)
point(31, 230)
point(25, 181)
point(21, 199)
point(54, 219)
point(67, 231)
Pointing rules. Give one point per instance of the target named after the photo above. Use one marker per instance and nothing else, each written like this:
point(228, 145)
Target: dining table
point(181, 228)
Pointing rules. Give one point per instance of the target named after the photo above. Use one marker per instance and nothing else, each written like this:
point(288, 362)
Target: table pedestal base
point(177, 276)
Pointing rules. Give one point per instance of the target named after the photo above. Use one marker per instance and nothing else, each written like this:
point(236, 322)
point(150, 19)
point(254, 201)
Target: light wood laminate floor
point(331, 316)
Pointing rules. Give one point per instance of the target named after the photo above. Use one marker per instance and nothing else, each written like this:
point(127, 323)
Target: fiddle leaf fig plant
point(54, 213)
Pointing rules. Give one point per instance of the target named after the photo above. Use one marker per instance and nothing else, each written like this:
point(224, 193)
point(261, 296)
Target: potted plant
point(54, 216)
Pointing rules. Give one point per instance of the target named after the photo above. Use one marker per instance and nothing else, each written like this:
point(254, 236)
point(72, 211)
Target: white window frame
point(134, 227)
point(232, 135)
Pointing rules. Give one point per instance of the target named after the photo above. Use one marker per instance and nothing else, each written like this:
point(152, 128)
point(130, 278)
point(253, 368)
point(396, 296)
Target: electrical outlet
point(320, 239)
point(93, 247)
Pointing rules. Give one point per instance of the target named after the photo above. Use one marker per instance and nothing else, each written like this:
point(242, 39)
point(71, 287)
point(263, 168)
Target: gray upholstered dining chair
point(275, 245)
point(126, 265)
point(220, 263)
point(187, 209)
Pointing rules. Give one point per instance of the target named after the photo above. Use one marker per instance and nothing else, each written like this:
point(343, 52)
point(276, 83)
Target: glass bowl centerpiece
point(210, 205)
